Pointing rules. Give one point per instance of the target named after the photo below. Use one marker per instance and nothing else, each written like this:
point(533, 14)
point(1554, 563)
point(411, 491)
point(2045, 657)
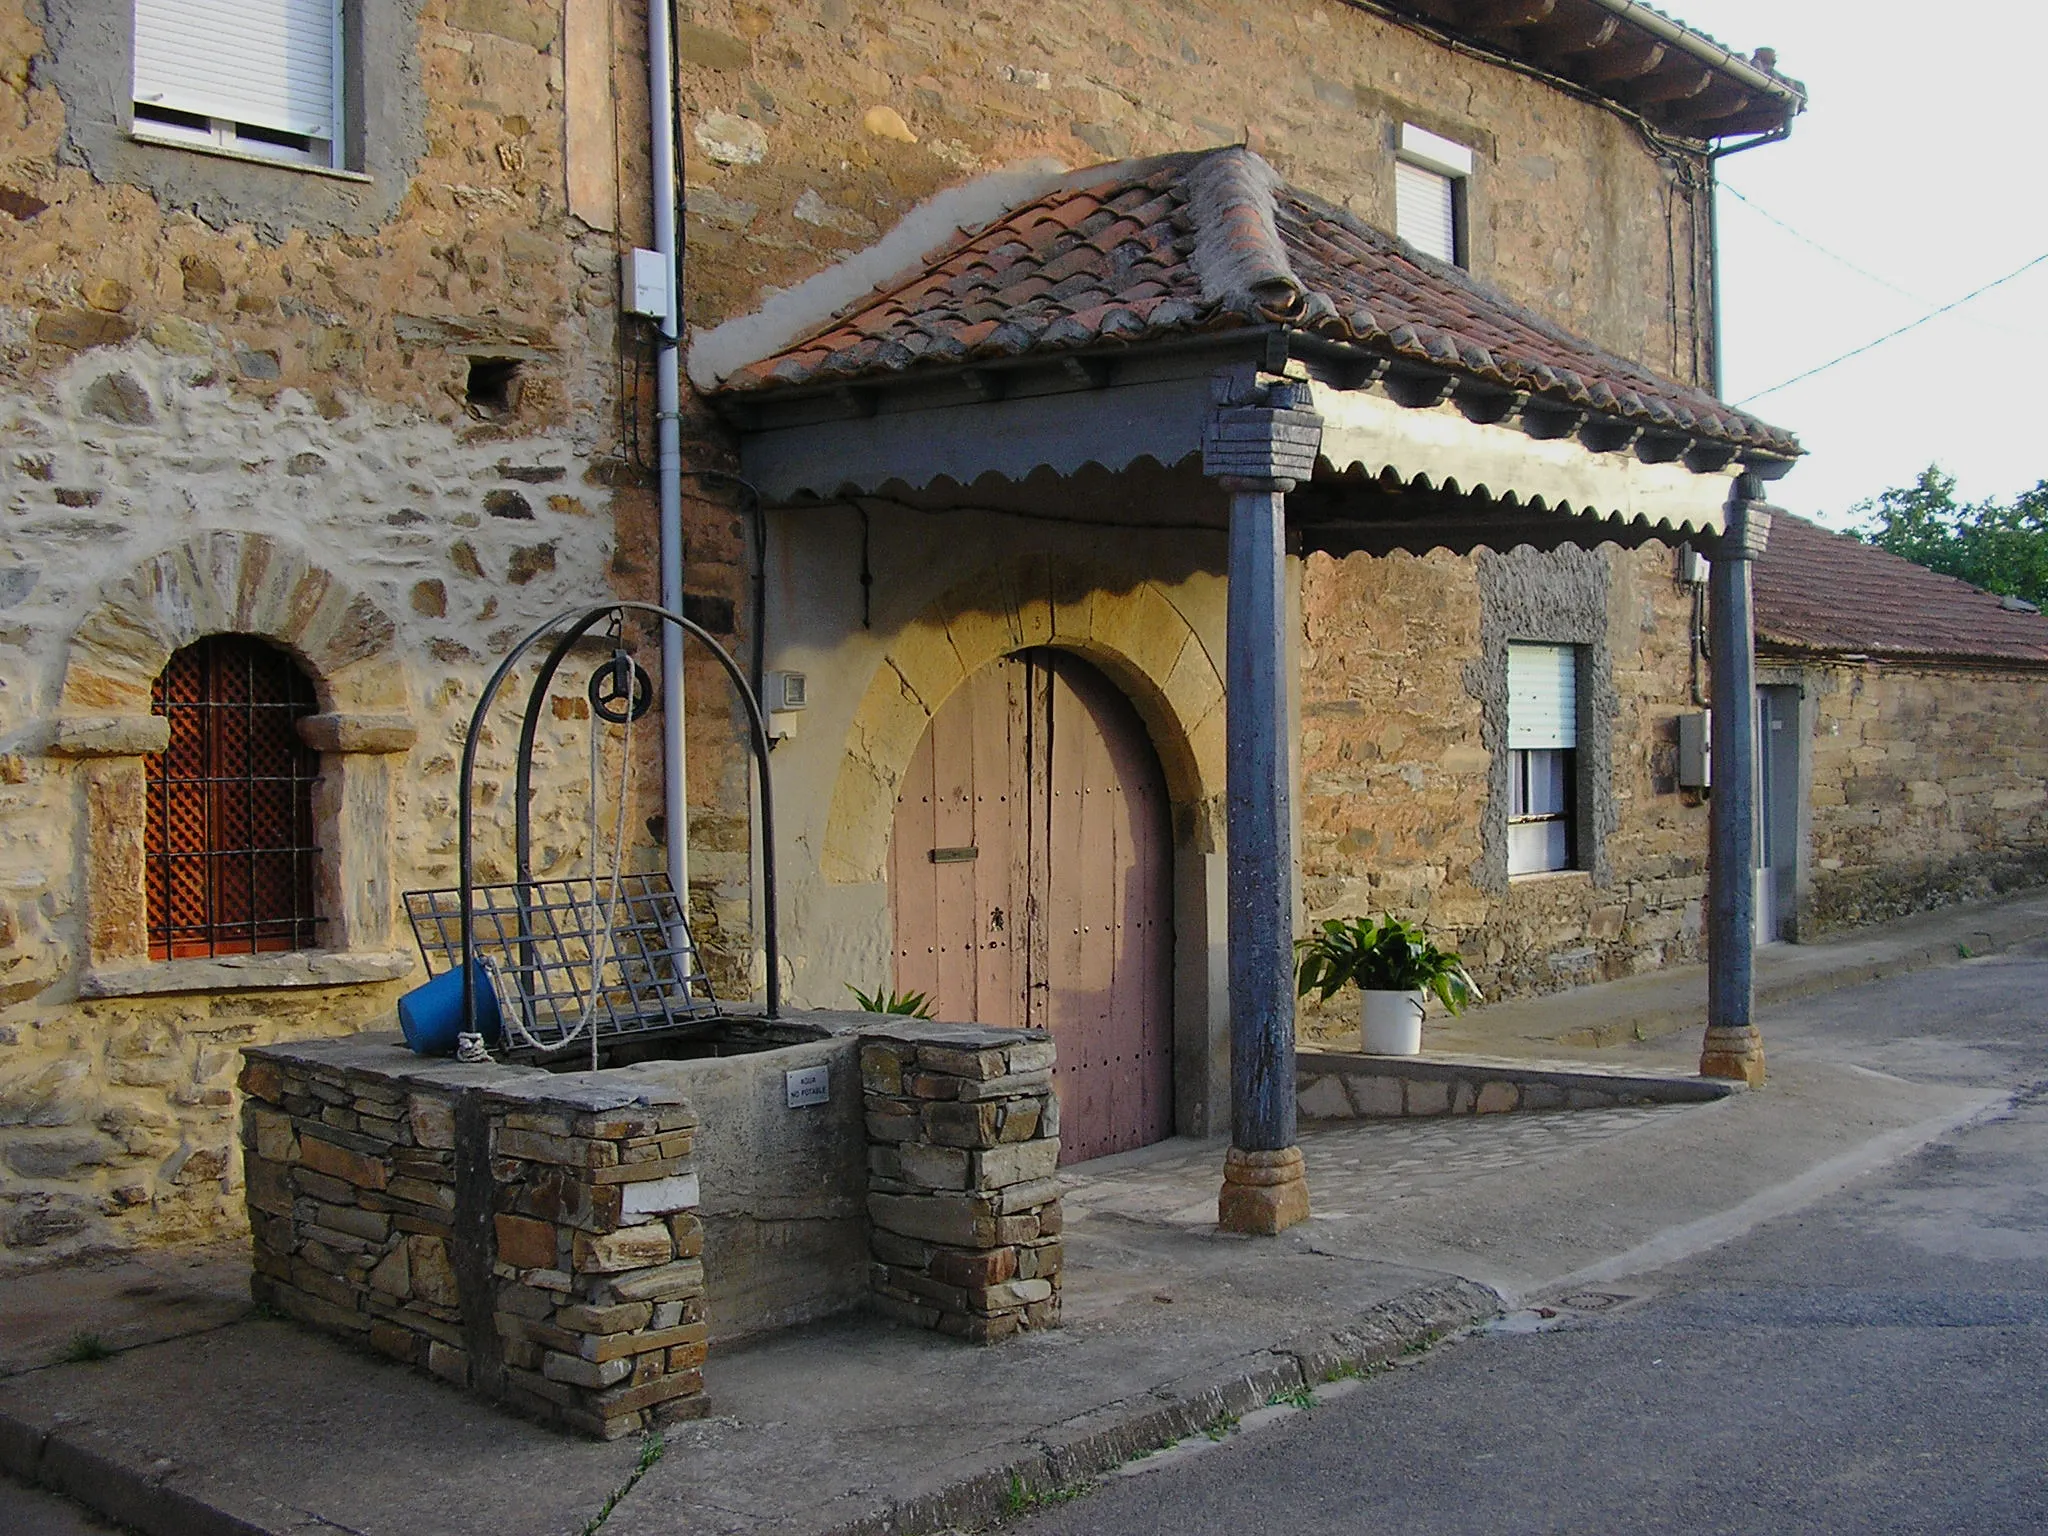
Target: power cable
point(1835, 256)
point(1910, 325)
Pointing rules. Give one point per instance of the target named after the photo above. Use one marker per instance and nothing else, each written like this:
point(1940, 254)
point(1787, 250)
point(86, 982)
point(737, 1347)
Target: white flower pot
point(1391, 1023)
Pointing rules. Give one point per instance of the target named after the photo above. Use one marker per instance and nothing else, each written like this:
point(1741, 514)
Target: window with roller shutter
point(1543, 739)
point(1430, 180)
point(229, 843)
point(255, 77)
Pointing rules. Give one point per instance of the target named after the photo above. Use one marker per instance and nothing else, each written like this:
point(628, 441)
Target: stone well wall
point(965, 1209)
point(532, 1238)
point(542, 1238)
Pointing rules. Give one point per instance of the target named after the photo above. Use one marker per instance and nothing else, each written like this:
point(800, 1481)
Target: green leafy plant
point(916, 1005)
point(1380, 954)
point(82, 1348)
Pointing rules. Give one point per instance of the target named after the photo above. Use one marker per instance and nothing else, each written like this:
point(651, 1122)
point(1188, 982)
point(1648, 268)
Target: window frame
point(275, 810)
point(339, 153)
point(1563, 756)
point(1420, 150)
point(217, 581)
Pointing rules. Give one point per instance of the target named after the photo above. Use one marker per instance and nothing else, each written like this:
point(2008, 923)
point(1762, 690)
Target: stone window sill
point(1546, 876)
point(247, 973)
point(168, 141)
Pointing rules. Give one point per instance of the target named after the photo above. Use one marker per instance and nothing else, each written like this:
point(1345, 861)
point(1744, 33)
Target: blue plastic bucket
point(431, 1014)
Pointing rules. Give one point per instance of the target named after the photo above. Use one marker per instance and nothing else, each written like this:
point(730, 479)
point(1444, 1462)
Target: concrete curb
point(64, 1459)
point(1096, 1442)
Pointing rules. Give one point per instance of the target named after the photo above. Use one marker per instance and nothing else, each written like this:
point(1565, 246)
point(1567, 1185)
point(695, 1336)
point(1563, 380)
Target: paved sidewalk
point(1661, 1003)
point(210, 1419)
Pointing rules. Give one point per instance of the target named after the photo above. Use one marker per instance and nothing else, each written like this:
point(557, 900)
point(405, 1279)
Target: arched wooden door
point(1030, 884)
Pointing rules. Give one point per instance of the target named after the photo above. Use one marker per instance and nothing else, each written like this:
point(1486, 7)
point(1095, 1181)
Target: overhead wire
point(1835, 256)
point(1896, 332)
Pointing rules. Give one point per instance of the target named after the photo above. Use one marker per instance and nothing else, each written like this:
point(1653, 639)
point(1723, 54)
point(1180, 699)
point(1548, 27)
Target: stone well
point(572, 1243)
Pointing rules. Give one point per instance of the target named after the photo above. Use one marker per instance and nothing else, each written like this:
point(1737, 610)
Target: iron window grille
point(229, 845)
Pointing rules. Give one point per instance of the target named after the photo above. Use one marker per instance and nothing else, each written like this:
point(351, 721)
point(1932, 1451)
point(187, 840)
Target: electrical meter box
point(643, 277)
point(1695, 750)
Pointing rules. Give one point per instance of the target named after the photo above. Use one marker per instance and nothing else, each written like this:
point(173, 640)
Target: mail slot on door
point(955, 855)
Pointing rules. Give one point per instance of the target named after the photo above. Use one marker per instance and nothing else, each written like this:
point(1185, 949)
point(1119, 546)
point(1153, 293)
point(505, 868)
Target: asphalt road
point(1877, 1362)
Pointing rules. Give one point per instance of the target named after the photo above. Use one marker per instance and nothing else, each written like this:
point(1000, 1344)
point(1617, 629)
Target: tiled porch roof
point(1826, 593)
point(1210, 242)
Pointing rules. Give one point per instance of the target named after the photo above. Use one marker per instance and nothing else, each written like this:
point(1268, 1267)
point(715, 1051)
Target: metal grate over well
point(536, 940)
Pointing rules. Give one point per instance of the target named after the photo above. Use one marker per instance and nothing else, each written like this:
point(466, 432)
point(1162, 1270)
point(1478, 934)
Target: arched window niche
point(155, 920)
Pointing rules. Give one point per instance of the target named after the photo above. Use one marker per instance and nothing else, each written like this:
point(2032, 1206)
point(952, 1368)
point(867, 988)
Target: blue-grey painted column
point(1259, 443)
point(1261, 818)
point(1733, 1047)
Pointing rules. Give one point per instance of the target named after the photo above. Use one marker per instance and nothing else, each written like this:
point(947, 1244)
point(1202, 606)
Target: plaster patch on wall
point(90, 61)
point(1557, 597)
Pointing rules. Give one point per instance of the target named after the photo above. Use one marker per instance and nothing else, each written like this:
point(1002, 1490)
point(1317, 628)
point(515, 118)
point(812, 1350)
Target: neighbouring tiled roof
point(1823, 591)
point(1210, 242)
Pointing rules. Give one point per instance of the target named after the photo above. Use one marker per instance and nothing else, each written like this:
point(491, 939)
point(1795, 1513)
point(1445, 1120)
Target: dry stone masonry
point(531, 1237)
point(963, 1128)
point(540, 1237)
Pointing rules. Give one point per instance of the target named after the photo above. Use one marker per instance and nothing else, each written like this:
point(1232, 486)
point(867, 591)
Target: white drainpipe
point(668, 438)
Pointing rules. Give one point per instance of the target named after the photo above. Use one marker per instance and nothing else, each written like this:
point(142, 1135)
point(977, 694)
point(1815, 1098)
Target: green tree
point(2001, 547)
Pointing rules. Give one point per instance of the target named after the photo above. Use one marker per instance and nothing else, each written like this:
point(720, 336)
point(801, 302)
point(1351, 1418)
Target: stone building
point(344, 379)
point(338, 390)
point(1904, 755)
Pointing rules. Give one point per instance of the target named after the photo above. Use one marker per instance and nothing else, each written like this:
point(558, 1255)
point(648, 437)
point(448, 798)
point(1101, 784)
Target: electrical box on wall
point(786, 690)
point(1695, 750)
point(643, 284)
point(1692, 565)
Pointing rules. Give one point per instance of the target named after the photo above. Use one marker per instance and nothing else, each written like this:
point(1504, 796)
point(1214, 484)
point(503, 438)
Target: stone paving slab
point(120, 1303)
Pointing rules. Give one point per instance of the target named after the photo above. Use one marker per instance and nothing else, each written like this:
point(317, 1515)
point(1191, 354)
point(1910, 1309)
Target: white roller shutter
point(1425, 213)
point(1543, 697)
point(271, 63)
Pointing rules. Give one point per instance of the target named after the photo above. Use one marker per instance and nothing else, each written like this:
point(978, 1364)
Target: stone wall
point(1403, 805)
point(1929, 785)
point(195, 349)
point(193, 346)
point(965, 1139)
point(533, 1239)
point(1349, 1086)
point(812, 127)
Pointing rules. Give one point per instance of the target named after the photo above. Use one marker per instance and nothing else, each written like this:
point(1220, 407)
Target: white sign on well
point(808, 1085)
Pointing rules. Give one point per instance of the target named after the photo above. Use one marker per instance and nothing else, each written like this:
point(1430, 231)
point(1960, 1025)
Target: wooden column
point(1259, 443)
point(1733, 1048)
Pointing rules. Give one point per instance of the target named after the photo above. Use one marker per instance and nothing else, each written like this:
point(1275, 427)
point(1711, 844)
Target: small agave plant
point(916, 1005)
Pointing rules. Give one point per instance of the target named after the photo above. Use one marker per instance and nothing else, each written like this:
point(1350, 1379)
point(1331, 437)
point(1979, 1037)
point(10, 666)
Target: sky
point(1915, 175)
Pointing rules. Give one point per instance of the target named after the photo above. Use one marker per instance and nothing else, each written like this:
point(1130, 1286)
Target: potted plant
point(1394, 965)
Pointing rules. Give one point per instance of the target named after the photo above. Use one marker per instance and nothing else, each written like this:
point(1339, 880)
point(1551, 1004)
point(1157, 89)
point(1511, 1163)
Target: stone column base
point(1263, 1192)
point(1735, 1052)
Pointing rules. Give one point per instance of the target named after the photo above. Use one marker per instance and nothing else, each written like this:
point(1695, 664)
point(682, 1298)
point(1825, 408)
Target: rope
point(601, 954)
point(602, 940)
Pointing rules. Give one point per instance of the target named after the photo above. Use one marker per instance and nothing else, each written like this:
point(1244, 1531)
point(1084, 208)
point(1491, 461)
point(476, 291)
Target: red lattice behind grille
point(230, 828)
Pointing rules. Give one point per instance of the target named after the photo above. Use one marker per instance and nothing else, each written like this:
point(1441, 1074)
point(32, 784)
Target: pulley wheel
point(621, 690)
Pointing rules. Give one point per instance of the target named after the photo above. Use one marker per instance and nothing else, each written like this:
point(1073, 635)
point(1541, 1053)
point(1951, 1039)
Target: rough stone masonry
point(964, 1131)
point(533, 1239)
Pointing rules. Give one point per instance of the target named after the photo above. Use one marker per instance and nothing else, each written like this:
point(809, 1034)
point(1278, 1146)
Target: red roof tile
point(1823, 591)
point(1214, 242)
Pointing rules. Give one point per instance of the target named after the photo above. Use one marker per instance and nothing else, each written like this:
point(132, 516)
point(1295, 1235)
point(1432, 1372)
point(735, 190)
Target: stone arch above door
point(1130, 629)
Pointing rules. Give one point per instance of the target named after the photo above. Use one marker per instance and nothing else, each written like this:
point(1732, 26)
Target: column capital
point(1748, 530)
point(1266, 444)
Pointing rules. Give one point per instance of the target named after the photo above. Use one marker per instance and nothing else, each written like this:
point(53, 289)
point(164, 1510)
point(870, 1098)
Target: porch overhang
point(1102, 318)
point(1490, 466)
